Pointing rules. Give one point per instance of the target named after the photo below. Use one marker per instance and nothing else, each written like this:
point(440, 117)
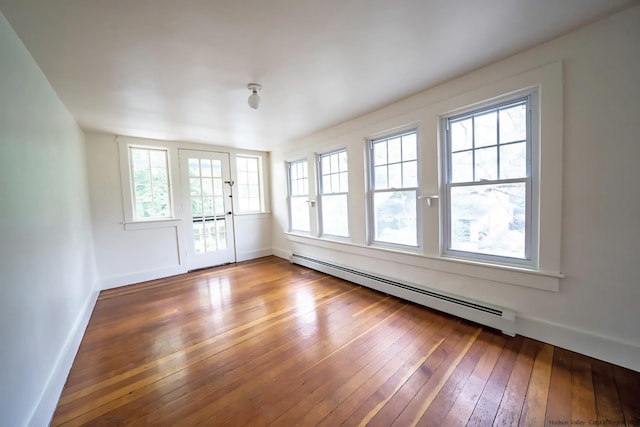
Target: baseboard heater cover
point(495, 317)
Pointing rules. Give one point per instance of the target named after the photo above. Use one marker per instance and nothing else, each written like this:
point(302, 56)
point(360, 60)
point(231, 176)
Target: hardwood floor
point(266, 342)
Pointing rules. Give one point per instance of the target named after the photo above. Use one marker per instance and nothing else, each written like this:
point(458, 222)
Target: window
point(334, 187)
point(299, 195)
point(150, 182)
point(490, 183)
point(394, 182)
point(249, 185)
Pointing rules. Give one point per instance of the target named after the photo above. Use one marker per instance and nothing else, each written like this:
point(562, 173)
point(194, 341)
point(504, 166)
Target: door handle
point(429, 198)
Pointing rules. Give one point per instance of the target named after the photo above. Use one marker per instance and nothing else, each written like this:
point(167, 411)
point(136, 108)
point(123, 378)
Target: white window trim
point(261, 186)
point(126, 181)
point(532, 184)
point(547, 81)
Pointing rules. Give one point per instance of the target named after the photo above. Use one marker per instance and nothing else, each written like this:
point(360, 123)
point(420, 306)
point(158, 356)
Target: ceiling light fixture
point(254, 98)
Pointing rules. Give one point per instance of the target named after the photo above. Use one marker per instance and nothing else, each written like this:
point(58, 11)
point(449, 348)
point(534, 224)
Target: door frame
point(191, 260)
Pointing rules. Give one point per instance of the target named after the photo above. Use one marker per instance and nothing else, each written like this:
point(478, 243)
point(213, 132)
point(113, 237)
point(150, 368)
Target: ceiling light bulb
point(254, 98)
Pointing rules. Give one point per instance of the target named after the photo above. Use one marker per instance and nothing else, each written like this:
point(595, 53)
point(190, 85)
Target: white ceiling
point(178, 70)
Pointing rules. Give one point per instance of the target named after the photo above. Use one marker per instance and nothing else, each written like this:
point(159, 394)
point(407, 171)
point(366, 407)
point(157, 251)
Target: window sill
point(150, 224)
point(537, 279)
point(259, 213)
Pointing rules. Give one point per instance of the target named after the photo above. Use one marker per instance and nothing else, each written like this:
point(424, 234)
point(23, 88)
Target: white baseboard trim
point(51, 395)
point(246, 256)
point(625, 354)
point(619, 353)
point(143, 276)
point(281, 253)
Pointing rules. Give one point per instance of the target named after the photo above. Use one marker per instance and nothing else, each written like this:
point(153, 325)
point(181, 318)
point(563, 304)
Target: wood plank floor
point(266, 342)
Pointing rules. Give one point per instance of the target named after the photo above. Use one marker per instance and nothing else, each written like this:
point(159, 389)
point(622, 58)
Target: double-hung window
point(490, 182)
point(299, 196)
point(248, 172)
point(394, 186)
point(334, 188)
point(150, 183)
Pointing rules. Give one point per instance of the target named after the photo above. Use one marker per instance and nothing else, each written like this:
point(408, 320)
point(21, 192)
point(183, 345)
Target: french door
point(206, 200)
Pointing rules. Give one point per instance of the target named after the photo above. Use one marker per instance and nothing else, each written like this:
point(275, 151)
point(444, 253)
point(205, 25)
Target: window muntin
point(394, 185)
point(299, 195)
point(150, 183)
point(334, 188)
point(488, 206)
point(249, 184)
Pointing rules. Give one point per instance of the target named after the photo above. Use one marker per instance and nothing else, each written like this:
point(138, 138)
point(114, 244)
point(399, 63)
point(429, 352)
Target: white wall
point(47, 266)
point(595, 311)
point(129, 256)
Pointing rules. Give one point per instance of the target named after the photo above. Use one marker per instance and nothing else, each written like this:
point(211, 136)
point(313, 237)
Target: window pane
point(217, 186)
point(395, 176)
point(380, 153)
point(196, 206)
point(207, 187)
point(198, 237)
point(205, 167)
point(410, 174)
point(157, 159)
point(334, 163)
point(194, 186)
point(299, 214)
point(335, 183)
point(395, 151)
point(489, 219)
point(243, 177)
point(207, 205)
point(141, 176)
point(462, 167)
point(252, 164)
point(159, 175)
point(326, 165)
point(335, 215)
point(486, 129)
point(254, 178)
point(513, 161)
point(344, 182)
point(241, 164)
point(409, 147)
point(326, 184)
point(216, 168)
point(395, 217)
point(513, 124)
point(343, 161)
point(218, 205)
point(194, 167)
point(140, 157)
point(461, 135)
point(486, 166)
point(210, 240)
point(380, 179)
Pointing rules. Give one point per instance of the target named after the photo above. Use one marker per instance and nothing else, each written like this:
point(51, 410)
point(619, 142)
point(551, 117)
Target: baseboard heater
point(479, 312)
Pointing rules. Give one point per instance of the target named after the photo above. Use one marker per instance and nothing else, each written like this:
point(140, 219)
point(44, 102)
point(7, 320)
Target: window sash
point(402, 227)
point(298, 182)
point(526, 179)
point(250, 194)
point(148, 196)
point(334, 222)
